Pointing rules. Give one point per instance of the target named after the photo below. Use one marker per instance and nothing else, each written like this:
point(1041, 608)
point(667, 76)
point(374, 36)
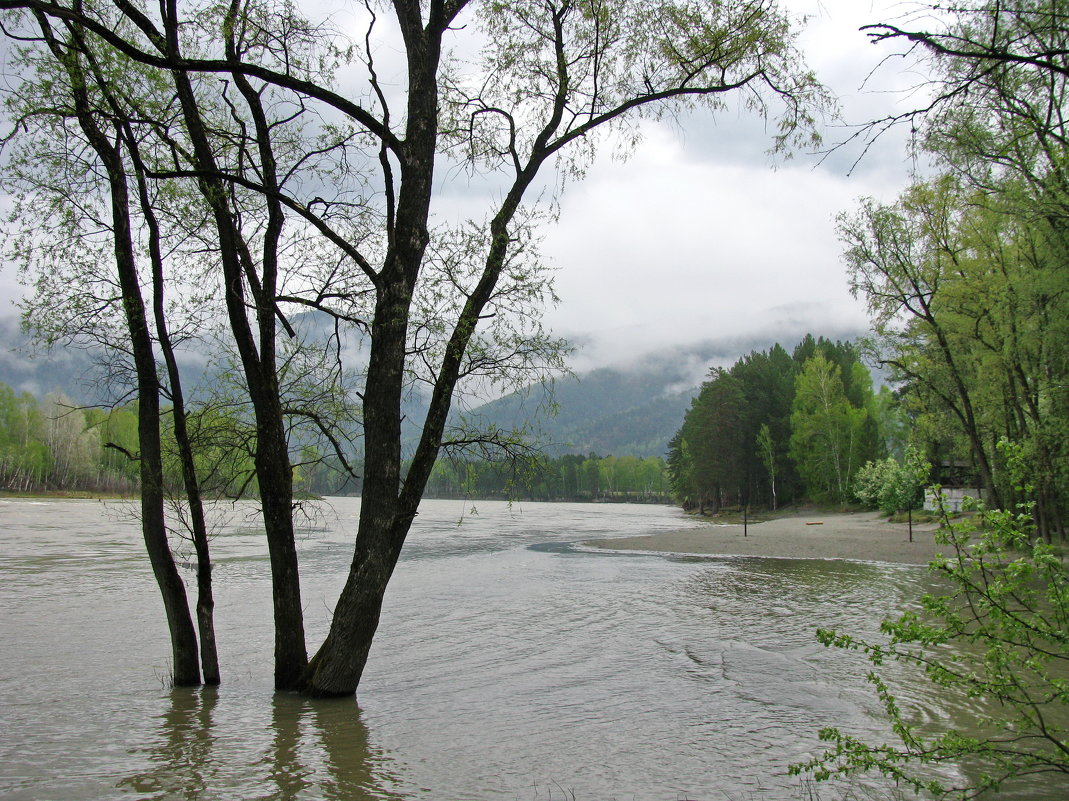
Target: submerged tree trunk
point(257, 355)
point(338, 665)
point(186, 669)
point(209, 652)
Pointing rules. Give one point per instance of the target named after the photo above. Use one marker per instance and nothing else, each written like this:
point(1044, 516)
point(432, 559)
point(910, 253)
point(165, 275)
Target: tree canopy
point(778, 426)
point(284, 167)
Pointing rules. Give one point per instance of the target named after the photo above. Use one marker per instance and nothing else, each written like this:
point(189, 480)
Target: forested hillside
point(619, 411)
point(606, 439)
point(606, 421)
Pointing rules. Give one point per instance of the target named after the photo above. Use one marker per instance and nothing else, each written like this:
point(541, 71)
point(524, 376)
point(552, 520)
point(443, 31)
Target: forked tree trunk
point(337, 667)
point(257, 355)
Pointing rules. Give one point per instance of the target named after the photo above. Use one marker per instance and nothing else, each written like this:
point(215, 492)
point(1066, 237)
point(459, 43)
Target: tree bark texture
point(272, 456)
point(185, 663)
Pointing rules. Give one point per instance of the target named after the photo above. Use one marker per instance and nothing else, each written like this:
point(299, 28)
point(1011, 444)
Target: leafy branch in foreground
point(999, 639)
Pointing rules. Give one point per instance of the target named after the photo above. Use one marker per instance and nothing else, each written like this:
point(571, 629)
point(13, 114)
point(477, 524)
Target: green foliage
point(874, 482)
point(891, 421)
point(999, 637)
point(681, 471)
point(966, 276)
point(826, 431)
point(766, 450)
point(54, 445)
point(891, 485)
point(25, 458)
point(966, 281)
point(117, 429)
point(717, 438)
point(1003, 94)
point(968, 298)
point(713, 458)
point(745, 440)
point(223, 442)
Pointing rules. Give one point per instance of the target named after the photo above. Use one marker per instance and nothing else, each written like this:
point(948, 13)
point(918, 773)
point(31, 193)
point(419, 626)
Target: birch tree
point(826, 431)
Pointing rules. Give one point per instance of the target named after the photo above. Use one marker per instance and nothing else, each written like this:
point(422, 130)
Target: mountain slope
point(625, 410)
point(609, 411)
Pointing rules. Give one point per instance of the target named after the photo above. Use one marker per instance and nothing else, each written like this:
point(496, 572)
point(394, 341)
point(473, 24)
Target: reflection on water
point(180, 762)
point(310, 749)
point(508, 663)
point(334, 731)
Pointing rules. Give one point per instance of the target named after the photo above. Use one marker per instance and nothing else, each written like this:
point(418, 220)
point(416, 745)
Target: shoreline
point(863, 536)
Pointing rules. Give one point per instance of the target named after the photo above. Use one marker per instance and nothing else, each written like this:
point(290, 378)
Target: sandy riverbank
point(861, 535)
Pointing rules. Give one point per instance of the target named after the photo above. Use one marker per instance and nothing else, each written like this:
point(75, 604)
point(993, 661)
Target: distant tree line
point(55, 445)
point(779, 427)
point(571, 477)
point(51, 444)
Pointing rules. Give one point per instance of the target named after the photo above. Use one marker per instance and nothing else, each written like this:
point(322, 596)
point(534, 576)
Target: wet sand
point(861, 535)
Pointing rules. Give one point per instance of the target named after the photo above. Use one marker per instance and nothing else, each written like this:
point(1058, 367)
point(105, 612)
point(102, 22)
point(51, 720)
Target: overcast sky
point(696, 237)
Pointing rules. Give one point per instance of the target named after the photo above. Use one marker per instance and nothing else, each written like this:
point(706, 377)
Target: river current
point(511, 663)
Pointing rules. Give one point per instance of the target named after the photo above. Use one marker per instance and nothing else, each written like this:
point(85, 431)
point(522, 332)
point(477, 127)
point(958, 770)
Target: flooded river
point(511, 663)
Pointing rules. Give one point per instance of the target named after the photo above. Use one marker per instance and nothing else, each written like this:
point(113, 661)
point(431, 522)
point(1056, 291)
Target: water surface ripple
point(510, 664)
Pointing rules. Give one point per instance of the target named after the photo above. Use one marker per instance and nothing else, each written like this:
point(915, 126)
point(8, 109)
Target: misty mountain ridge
point(26, 367)
point(607, 411)
point(627, 409)
point(620, 410)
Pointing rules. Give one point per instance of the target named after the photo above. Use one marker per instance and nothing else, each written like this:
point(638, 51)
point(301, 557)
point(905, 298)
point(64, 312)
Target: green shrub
point(999, 634)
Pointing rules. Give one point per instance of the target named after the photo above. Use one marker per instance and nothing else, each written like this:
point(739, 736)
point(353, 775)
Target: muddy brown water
point(512, 663)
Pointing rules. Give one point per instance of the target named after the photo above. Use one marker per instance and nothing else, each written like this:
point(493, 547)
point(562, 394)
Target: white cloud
point(668, 249)
point(697, 238)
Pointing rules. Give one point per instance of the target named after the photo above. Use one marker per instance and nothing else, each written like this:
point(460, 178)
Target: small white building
point(953, 498)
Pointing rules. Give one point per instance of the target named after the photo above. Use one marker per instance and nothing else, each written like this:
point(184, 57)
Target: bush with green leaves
point(998, 636)
point(892, 486)
point(871, 482)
